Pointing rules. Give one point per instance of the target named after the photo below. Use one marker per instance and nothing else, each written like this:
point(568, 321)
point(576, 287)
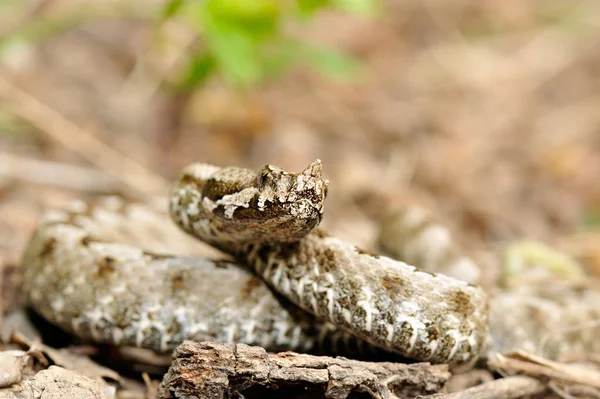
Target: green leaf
point(200, 67)
point(309, 7)
point(257, 22)
point(244, 11)
point(245, 43)
point(171, 8)
point(364, 7)
point(234, 51)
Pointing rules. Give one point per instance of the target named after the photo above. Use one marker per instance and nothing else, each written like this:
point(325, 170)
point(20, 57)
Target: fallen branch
point(216, 371)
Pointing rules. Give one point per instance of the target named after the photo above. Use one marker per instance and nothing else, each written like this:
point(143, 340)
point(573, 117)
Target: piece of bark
point(211, 370)
point(505, 388)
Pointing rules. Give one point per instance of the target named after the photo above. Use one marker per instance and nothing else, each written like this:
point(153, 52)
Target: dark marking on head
point(217, 187)
point(270, 210)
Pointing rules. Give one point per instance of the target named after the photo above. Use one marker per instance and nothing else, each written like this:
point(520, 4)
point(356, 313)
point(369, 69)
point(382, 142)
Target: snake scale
point(121, 273)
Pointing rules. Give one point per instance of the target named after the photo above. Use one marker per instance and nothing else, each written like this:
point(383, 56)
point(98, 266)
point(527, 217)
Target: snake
point(134, 274)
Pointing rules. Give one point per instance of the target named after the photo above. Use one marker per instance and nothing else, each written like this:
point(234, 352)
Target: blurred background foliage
point(245, 42)
point(485, 112)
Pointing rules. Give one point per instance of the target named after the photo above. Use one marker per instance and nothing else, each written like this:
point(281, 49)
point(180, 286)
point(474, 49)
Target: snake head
point(269, 204)
point(290, 203)
point(297, 194)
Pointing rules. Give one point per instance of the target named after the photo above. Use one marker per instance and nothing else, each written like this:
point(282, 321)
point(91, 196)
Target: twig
point(535, 366)
point(216, 371)
point(80, 141)
point(57, 174)
point(151, 386)
point(505, 388)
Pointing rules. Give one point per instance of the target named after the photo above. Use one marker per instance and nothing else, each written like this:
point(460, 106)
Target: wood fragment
point(505, 388)
point(211, 370)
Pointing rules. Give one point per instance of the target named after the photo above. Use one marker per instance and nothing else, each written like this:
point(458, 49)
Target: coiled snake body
point(89, 270)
